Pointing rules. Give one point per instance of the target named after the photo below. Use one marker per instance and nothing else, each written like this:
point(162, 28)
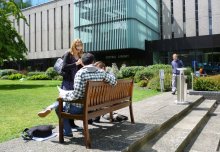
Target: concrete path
point(150, 115)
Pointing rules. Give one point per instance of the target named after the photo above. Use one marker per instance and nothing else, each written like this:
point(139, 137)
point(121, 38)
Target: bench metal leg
point(86, 134)
point(131, 113)
point(61, 139)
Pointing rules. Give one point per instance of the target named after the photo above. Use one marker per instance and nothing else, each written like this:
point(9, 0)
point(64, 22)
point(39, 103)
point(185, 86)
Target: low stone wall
point(213, 95)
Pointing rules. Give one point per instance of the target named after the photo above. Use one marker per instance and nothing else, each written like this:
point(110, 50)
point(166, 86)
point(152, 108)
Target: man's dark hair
point(88, 58)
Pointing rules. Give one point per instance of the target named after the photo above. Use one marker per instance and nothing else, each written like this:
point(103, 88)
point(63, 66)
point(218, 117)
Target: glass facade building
point(29, 3)
point(105, 25)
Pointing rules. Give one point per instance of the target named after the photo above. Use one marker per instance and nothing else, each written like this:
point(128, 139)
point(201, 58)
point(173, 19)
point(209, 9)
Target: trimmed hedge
point(29, 74)
point(5, 77)
point(16, 76)
point(157, 67)
point(39, 77)
point(207, 83)
point(7, 72)
point(129, 72)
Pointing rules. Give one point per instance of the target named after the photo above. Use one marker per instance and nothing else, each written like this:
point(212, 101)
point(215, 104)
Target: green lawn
point(21, 101)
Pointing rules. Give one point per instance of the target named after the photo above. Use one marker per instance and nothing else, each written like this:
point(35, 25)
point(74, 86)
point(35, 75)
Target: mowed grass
point(20, 101)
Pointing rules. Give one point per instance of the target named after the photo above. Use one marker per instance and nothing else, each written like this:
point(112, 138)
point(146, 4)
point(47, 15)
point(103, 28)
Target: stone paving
point(149, 115)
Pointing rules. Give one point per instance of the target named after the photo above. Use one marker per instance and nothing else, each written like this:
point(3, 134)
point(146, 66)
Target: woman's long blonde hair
point(73, 47)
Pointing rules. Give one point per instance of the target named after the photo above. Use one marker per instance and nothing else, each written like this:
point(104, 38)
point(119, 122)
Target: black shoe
point(173, 93)
point(68, 135)
point(90, 121)
point(97, 119)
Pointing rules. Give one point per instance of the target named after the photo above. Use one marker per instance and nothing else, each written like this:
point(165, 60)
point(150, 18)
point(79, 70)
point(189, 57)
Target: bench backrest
point(100, 94)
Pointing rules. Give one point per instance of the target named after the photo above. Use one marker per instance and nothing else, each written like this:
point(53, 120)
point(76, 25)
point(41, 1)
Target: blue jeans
point(66, 124)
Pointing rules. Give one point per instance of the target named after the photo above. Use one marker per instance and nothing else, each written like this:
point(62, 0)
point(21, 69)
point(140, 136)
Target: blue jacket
point(176, 64)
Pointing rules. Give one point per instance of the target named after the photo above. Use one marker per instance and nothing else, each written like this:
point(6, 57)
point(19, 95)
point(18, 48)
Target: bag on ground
point(40, 131)
point(116, 117)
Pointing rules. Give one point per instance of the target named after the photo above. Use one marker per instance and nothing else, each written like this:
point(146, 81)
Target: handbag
point(40, 131)
point(58, 65)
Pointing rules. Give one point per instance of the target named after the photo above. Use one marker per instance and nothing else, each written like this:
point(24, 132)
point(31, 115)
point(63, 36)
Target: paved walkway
point(149, 114)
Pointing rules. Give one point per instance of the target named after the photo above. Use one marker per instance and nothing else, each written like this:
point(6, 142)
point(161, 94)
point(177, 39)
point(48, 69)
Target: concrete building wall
point(203, 17)
point(178, 18)
point(66, 27)
point(189, 26)
point(166, 12)
point(215, 16)
point(190, 18)
point(51, 29)
point(27, 34)
point(32, 33)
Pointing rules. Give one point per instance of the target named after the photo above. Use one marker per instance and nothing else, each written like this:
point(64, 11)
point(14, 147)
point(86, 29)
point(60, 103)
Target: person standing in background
point(176, 63)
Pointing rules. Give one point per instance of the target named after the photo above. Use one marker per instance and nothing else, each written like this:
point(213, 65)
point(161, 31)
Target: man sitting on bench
point(88, 72)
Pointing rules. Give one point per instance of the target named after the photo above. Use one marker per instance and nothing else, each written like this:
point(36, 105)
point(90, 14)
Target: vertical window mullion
point(117, 34)
point(48, 30)
point(61, 27)
point(110, 25)
point(41, 30)
point(54, 28)
point(106, 23)
point(69, 26)
point(29, 33)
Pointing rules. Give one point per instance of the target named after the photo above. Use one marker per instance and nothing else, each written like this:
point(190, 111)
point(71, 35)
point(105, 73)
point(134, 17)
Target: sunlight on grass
point(21, 101)
point(143, 93)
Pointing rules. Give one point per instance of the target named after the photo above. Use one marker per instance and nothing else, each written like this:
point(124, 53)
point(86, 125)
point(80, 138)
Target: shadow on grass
point(23, 86)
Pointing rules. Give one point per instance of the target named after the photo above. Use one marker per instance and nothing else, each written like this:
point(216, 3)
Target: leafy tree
point(12, 46)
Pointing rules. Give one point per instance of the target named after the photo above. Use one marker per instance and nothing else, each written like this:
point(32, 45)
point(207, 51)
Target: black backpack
point(40, 131)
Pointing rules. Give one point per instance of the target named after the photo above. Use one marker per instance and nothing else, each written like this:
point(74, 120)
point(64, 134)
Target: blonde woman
point(71, 64)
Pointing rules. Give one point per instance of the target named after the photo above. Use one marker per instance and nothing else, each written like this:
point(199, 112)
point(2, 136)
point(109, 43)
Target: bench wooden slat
point(108, 110)
point(108, 103)
point(70, 116)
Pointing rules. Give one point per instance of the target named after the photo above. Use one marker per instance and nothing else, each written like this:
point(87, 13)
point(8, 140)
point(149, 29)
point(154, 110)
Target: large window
point(115, 24)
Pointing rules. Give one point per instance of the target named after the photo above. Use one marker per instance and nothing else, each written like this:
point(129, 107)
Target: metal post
point(161, 74)
point(192, 80)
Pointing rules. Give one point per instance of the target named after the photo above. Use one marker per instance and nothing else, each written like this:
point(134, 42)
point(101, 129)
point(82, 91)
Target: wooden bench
point(100, 98)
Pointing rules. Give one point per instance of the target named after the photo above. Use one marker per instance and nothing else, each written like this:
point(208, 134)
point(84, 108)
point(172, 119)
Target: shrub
point(154, 83)
point(129, 72)
point(188, 72)
point(51, 73)
point(143, 75)
point(143, 83)
point(29, 74)
point(157, 67)
point(59, 77)
point(39, 77)
point(7, 72)
point(16, 76)
point(5, 77)
point(114, 70)
point(207, 83)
